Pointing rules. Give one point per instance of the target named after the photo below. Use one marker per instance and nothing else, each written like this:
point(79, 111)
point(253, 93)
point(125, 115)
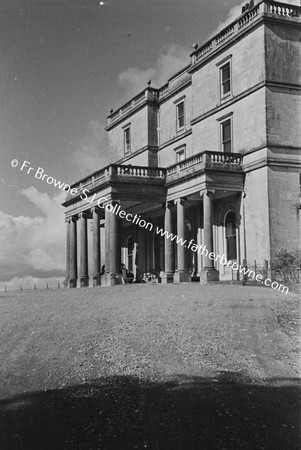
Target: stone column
point(182, 274)
point(141, 260)
point(113, 233)
point(167, 276)
point(68, 221)
point(209, 272)
point(83, 268)
point(73, 253)
point(199, 238)
point(112, 246)
point(96, 247)
point(149, 254)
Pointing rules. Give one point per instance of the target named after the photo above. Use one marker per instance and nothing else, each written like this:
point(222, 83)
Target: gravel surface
point(150, 366)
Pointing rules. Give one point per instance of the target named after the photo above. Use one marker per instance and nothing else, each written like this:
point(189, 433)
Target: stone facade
point(212, 156)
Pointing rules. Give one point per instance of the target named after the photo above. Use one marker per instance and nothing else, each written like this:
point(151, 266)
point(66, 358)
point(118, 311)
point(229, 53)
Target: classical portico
point(159, 202)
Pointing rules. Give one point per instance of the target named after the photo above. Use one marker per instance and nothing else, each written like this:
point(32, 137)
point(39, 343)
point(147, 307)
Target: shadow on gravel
point(226, 412)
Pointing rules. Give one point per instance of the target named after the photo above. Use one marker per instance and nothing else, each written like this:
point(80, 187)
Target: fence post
point(47, 286)
point(21, 289)
point(35, 287)
point(58, 285)
point(5, 290)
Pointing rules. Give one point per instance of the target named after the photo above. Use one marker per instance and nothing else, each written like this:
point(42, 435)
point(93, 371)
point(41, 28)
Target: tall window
point(226, 136)
point(225, 77)
point(127, 139)
point(230, 234)
point(180, 115)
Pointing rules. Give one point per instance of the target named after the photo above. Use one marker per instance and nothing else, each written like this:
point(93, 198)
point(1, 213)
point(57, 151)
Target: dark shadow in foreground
point(225, 412)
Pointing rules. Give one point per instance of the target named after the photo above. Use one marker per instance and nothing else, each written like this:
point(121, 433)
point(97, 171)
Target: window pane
point(226, 72)
point(227, 147)
point(226, 131)
point(180, 155)
point(230, 224)
point(180, 115)
point(226, 136)
point(230, 234)
point(231, 248)
point(226, 87)
point(226, 79)
point(127, 140)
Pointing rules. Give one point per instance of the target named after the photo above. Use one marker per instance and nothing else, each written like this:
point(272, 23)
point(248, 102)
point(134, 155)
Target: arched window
point(130, 254)
point(230, 234)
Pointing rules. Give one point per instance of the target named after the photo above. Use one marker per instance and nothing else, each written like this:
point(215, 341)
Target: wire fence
point(25, 287)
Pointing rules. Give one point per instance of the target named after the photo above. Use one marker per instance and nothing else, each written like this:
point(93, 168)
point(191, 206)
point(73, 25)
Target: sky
point(64, 64)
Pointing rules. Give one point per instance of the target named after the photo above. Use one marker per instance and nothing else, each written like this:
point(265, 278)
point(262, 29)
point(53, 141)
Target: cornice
point(229, 102)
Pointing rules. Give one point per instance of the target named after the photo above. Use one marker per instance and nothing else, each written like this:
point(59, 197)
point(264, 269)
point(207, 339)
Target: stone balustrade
point(224, 158)
point(203, 160)
point(148, 94)
point(198, 162)
point(265, 7)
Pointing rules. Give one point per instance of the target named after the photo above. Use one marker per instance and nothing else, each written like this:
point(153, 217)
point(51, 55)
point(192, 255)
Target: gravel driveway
point(150, 366)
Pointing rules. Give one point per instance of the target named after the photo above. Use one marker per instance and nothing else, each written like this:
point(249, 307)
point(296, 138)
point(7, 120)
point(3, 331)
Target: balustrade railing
point(248, 16)
point(203, 160)
point(283, 9)
point(204, 50)
point(225, 158)
point(225, 34)
point(195, 163)
point(139, 171)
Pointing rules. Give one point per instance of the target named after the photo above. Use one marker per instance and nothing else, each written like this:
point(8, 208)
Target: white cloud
point(171, 59)
point(33, 244)
point(92, 152)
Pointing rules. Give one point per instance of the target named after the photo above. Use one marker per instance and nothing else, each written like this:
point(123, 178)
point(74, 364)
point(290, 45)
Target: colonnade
point(208, 273)
point(112, 247)
point(112, 260)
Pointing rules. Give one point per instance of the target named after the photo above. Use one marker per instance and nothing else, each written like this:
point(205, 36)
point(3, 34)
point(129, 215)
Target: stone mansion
point(213, 156)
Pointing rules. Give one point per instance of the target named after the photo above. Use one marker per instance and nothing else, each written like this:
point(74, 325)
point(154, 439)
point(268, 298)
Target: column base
point(166, 277)
point(96, 280)
point(72, 283)
point(111, 279)
point(208, 275)
point(84, 281)
point(182, 277)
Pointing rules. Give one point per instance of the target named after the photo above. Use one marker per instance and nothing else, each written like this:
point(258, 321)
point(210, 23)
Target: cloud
point(92, 153)
point(33, 243)
point(171, 59)
point(233, 13)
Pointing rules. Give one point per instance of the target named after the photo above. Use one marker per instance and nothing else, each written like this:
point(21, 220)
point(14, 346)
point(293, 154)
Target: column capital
point(209, 192)
point(83, 214)
point(181, 200)
point(95, 210)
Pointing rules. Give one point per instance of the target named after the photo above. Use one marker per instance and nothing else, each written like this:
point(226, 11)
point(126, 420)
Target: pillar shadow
point(226, 412)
